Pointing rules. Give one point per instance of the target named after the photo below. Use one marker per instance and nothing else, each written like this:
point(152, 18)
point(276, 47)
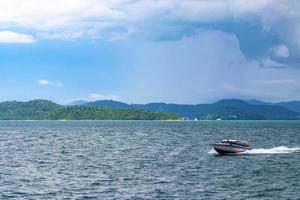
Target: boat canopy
point(243, 143)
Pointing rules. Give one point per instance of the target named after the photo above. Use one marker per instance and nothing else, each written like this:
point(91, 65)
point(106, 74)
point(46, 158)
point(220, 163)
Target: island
point(47, 110)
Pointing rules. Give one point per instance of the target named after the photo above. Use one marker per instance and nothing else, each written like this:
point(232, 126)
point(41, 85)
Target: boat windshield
point(241, 143)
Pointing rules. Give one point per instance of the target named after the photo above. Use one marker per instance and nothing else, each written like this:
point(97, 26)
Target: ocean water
point(147, 160)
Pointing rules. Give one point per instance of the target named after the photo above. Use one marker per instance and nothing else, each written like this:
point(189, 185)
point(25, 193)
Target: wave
point(275, 150)
point(212, 151)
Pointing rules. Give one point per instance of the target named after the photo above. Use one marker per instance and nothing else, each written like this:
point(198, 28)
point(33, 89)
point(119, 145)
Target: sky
point(141, 51)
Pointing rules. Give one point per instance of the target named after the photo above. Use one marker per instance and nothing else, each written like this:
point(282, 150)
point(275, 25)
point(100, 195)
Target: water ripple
point(147, 160)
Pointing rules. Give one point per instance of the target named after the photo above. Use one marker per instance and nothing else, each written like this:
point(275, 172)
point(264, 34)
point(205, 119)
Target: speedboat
point(227, 146)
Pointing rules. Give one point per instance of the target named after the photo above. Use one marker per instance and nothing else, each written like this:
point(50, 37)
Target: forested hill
point(31, 110)
point(44, 109)
point(231, 109)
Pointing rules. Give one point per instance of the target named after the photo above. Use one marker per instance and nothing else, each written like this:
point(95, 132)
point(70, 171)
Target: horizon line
point(152, 102)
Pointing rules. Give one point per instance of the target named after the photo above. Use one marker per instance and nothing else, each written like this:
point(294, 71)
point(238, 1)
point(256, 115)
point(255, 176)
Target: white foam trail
point(212, 151)
point(275, 150)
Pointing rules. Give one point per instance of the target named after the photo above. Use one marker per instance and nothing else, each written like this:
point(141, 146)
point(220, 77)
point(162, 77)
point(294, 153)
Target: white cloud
point(281, 51)
point(12, 37)
point(49, 83)
point(269, 63)
point(71, 19)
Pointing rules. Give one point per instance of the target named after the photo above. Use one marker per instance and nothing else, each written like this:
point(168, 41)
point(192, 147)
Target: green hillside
point(31, 110)
point(92, 113)
point(231, 109)
point(43, 109)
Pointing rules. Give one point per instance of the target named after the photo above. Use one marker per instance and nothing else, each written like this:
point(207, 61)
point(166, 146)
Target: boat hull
point(229, 149)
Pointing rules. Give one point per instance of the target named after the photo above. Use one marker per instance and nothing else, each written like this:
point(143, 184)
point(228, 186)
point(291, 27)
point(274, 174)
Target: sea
point(147, 160)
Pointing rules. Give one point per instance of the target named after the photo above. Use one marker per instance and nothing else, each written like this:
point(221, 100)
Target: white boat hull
point(229, 149)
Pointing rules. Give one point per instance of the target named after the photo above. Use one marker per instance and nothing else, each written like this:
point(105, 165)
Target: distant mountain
point(224, 109)
point(291, 105)
point(77, 103)
point(258, 102)
point(109, 104)
point(43, 109)
point(241, 109)
point(228, 109)
point(238, 109)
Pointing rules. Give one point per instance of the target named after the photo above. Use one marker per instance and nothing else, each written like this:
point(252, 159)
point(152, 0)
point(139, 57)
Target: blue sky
point(147, 51)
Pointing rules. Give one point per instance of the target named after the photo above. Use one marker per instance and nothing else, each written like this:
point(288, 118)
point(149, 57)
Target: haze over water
point(147, 160)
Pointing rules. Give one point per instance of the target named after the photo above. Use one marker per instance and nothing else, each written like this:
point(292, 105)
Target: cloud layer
point(68, 19)
point(277, 20)
point(11, 37)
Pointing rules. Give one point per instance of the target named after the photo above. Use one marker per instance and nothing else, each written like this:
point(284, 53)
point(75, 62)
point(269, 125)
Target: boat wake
point(275, 150)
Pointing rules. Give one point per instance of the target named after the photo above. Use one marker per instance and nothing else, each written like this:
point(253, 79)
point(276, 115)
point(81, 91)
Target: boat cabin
point(236, 142)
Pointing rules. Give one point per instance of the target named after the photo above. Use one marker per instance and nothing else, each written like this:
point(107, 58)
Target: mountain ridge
point(46, 110)
point(223, 109)
point(226, 109)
